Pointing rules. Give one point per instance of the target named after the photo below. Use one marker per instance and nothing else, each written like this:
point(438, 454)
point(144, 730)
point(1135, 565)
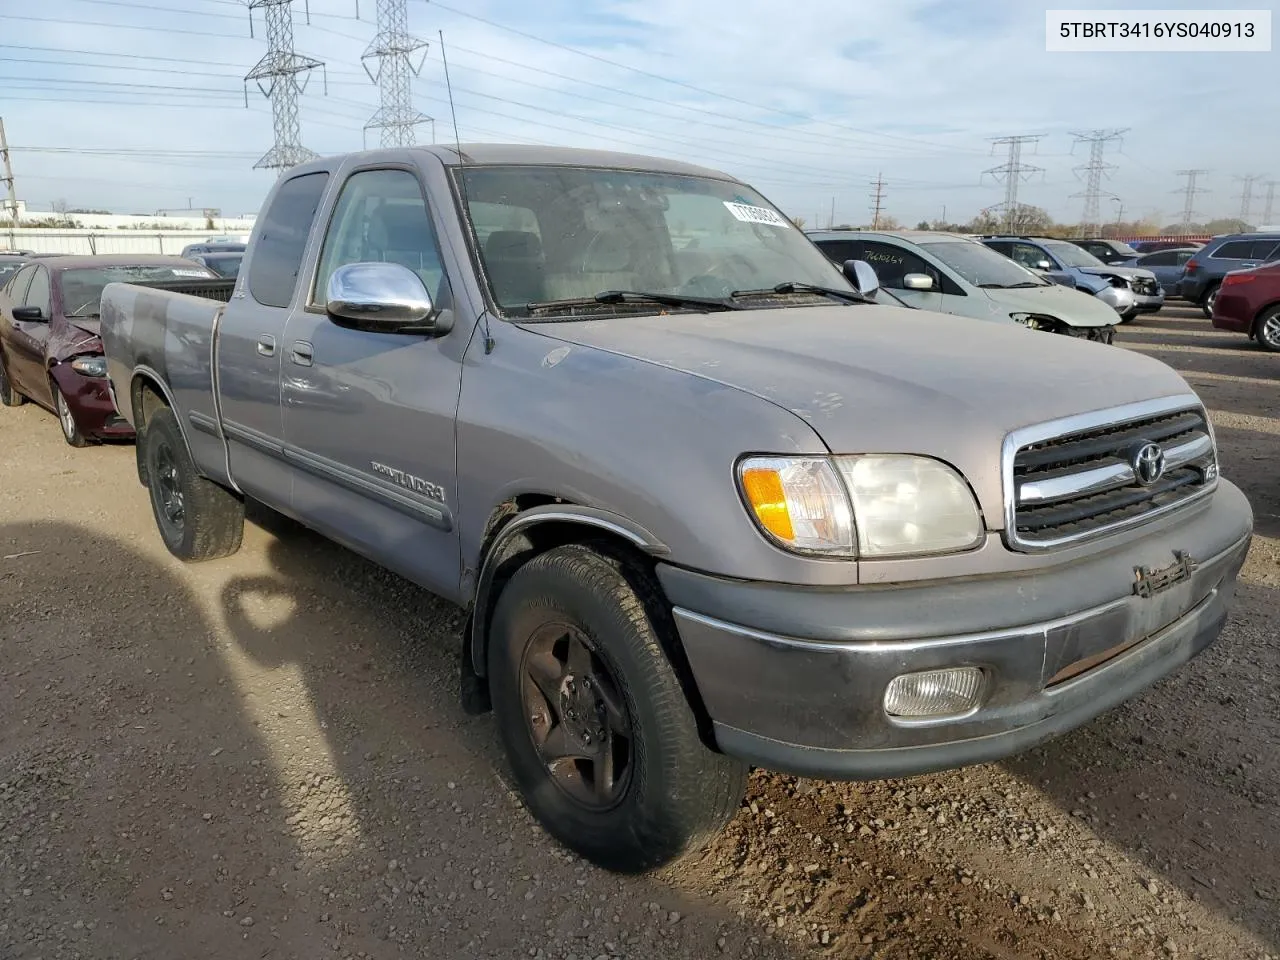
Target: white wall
point(106, 241)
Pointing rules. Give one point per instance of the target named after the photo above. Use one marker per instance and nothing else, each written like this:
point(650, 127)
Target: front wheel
point(198, 520)
point(67, 420)
point(9, 396)
point(1267, 331)
point(602, 741)
point(1210, 298)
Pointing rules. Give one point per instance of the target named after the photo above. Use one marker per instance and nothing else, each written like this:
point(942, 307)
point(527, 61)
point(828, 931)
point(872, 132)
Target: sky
point(134, 106)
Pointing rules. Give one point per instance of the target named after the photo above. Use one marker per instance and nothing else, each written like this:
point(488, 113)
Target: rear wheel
point(1210, 297)
point(67, 420)
point(602, 741)
point(1267, 330)
point(198, 520)
point(8, 395)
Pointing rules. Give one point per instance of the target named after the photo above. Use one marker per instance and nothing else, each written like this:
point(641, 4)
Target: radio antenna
point(462, 178)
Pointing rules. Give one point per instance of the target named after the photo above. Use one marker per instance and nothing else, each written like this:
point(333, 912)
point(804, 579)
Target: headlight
point(90, 366)
point(1032, 321)
point(799, 503)
point(909, 505)
point(868, 506)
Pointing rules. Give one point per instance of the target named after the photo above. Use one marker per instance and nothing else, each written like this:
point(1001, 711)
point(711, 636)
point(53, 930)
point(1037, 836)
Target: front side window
point(17, 288)
point(892, 263)
point(38, 292)
point(282, 240)
point(1263, 250)
point(1166, 258)
point(563, 235)
point(381, 217)
point(1028, 256)
point(838, 251)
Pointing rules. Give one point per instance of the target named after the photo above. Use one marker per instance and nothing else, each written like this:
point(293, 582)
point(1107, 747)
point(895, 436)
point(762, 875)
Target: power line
point(1271, 197)
point(1246, 194)
point(877, 201)
point(1189, 193)
point(913, 141)
point(1011, 173)
point(281, 67)
point(1094, 171)
point(395, 48)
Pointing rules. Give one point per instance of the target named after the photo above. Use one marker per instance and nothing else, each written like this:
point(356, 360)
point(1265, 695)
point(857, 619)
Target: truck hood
point(878, 379)
point(1072, 306)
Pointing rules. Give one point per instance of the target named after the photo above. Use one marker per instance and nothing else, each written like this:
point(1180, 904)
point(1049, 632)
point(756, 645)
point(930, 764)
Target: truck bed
point(164, 330)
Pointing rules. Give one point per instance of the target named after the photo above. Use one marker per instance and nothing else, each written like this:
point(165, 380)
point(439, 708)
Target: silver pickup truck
point(828, 536)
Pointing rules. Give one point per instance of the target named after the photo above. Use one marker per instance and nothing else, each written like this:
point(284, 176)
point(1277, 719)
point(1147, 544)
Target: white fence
point(103, 241)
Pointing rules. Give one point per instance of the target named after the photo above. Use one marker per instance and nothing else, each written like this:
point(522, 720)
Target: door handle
point(266, 346)
point(301, 353)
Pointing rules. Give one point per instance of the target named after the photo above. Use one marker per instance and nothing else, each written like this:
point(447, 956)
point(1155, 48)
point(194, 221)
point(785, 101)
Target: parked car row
point(711, 496)
point(50, 348)
point(950, 273)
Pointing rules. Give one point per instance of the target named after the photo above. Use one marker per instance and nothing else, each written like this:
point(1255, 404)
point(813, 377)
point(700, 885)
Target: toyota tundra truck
point(829, 536)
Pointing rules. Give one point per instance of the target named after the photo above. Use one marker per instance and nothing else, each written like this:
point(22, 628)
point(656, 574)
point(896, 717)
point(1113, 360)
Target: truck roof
point(482, 154)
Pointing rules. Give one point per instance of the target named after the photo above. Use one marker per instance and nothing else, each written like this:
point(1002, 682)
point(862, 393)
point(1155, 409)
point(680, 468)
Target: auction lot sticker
point(1157, 31)
point(749, 214)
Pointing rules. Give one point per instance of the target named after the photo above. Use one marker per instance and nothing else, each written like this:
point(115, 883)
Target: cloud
point(807, 100)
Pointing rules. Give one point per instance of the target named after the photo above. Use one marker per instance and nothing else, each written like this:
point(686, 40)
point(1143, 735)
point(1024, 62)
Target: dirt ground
point(264, 757)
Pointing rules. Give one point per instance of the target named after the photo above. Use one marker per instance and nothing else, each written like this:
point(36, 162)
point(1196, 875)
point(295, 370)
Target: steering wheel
point(712, 281)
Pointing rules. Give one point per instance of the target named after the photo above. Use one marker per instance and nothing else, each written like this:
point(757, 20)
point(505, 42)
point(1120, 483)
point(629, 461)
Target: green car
point(951, 273)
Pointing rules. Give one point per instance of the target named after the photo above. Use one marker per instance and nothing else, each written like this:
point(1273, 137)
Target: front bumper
point(794, 677)
point(1119, 299)
point(90, 401)
point(1150, 303)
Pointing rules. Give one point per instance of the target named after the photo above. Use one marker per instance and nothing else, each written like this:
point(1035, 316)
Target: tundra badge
point(409, 481)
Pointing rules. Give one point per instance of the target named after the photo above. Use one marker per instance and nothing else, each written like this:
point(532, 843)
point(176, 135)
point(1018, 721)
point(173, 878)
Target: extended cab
point(706, 504)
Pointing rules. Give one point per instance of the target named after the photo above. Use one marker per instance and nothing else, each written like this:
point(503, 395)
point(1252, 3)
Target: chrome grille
point(1065, 485)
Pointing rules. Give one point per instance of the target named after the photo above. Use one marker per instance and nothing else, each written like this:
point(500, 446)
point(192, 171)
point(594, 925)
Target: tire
point(8, 395)
point(66, 419)
point(197, 519)
point(1266, 330)
point(1206, 302)
point(671, 794)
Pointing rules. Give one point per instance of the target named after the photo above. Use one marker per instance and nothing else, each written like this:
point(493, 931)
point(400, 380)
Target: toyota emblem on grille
point(1147, 461)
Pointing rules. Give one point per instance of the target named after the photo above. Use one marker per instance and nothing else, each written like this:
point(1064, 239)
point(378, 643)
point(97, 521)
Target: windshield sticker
point(749, 214)
point(189, 273)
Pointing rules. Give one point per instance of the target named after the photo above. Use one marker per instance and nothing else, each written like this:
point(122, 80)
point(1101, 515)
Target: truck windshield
point(551, 236)
point(82, 287)
point(981, 265)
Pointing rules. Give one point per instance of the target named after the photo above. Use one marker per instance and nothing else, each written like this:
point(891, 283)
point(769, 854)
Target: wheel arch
point(527, 526)
point(1260, 313)
point(147, 394)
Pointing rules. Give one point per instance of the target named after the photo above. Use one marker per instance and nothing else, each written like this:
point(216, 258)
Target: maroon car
point(49, 347)
point(1248, 302)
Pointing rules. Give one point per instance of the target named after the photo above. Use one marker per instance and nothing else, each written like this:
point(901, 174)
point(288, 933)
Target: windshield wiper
point(798, 286)
point(610, 297)
point(1010, 286)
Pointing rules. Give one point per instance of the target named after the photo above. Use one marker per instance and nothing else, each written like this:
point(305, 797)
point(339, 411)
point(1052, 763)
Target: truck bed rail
point(219, 288)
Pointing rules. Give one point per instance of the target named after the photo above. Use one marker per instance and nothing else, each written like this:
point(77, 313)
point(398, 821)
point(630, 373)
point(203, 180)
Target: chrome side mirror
point(378, 296)
point(1043, 265)
point(917, 281)
point(862, 275)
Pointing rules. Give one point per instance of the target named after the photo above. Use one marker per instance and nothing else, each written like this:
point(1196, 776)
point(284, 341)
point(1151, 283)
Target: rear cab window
point(280, 245)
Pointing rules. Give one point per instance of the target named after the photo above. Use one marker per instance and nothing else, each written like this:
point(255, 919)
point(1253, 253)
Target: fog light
point(934, 693)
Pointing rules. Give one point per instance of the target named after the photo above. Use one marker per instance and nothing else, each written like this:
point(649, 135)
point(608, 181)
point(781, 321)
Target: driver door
point(29, 339)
